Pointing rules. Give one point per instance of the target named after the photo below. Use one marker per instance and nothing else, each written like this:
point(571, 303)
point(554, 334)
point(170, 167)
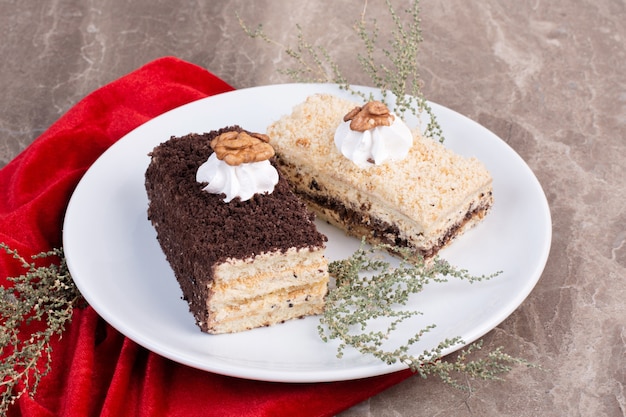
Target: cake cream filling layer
point(266, 290)
point(310, 294)
point(365, 215)
point(267, 317)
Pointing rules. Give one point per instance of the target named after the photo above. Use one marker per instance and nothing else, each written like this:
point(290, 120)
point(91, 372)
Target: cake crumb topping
point(236, 148)
point(369, 116)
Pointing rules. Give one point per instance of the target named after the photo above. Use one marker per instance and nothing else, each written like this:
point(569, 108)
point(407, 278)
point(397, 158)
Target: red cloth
point(96, 371)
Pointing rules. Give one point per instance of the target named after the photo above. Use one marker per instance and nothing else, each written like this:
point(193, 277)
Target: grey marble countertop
point(548, 77)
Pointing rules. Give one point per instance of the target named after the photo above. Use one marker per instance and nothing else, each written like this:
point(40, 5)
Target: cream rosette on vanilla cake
point(363, 170)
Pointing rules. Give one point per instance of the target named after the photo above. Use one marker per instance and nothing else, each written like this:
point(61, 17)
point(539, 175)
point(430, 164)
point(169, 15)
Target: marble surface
point(549, 77)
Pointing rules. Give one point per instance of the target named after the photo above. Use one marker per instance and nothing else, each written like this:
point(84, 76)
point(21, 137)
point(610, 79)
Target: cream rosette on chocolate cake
point(239, 166)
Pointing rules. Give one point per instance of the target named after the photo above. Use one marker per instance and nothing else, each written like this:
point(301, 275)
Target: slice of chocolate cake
point(240, 264)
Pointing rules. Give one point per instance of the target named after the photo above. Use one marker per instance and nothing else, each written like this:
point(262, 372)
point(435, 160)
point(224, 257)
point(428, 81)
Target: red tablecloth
point(96, 371)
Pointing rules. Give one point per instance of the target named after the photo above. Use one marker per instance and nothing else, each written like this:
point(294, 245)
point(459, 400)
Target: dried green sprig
point(490, 367)
point(36, 308)
point(369, 291)
point(396, 73)
point(313, 63)
point(39, 305)
point(358, 301)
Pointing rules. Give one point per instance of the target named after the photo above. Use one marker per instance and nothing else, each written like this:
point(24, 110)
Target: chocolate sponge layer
point(197, 230)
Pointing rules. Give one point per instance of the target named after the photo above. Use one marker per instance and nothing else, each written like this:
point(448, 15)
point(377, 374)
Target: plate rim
point(277, 375)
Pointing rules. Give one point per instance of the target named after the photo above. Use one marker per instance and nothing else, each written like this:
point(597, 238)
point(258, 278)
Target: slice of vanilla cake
point(363, 170)
point(242, 246)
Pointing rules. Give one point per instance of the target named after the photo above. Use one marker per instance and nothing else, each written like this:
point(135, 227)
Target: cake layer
point(266, 290)
point(279, 314)
point(378, 222)
point(421, 202)
point(202, 237)
point(266, 273)
point(309, 293)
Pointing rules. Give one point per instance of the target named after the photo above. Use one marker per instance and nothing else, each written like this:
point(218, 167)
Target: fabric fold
point(96, 371)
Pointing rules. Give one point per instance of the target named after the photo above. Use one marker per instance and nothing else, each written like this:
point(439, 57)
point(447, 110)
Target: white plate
point(117, 264)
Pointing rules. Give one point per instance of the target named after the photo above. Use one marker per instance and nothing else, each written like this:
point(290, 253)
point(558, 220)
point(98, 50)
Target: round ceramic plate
point(117, 264)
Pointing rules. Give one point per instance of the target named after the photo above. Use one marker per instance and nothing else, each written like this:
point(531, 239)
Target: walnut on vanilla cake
point(242, 246)
point(363, 170)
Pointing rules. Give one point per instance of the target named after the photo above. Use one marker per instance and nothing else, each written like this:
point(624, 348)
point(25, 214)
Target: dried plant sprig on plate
point(369, 291)
point(393, 70)
point(36, 308)
point(39, 305)
point(357, 302)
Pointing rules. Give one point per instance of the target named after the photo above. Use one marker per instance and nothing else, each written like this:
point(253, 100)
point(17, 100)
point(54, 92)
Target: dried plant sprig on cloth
point(369, 291)
point(393, 70)
point(35, 309)
point(39, 305)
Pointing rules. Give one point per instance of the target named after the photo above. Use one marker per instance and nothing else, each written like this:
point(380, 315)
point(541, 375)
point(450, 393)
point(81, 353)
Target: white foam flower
point(374, 146)
point(243, 181)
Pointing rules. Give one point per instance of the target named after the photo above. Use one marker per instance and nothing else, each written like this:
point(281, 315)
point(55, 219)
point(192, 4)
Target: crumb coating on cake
point(239, 229)
point(201, 235)
point(430, 183)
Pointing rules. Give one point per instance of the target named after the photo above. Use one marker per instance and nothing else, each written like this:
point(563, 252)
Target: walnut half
point(369, 116)
point(236, 148)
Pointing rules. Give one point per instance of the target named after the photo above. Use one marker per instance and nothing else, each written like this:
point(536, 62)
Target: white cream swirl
point(376, 145)
point(243, 181)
